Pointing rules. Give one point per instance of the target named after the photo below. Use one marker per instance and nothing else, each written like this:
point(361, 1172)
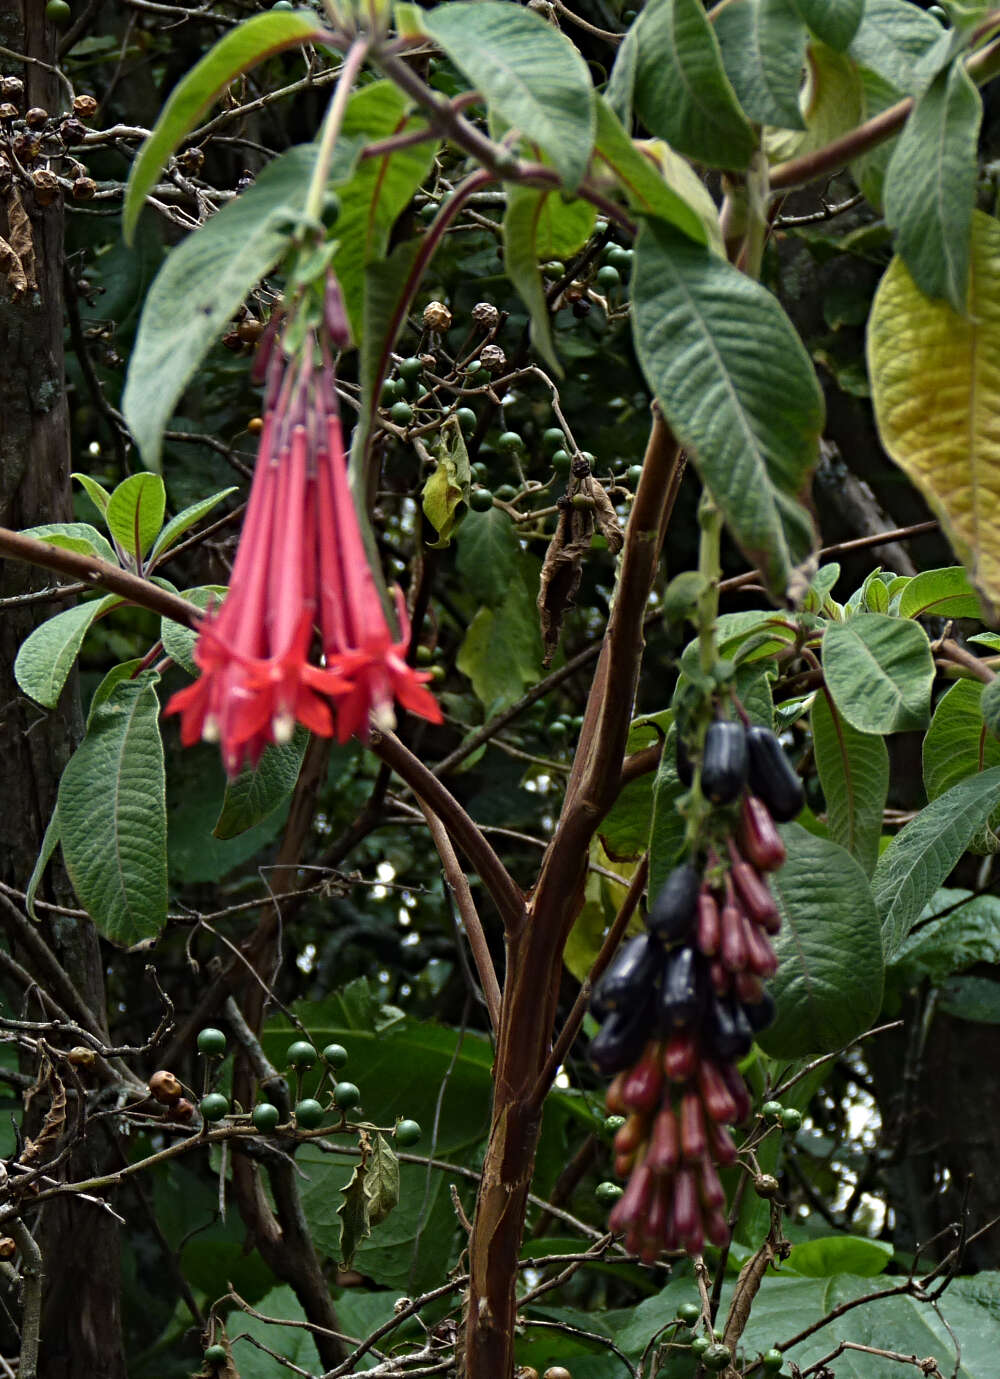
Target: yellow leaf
point(832, 102)
point(935, 380)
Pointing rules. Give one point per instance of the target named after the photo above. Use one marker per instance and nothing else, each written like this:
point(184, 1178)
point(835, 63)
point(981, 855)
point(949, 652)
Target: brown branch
point(949, 650)
point(31, 1299)
point(859, 543)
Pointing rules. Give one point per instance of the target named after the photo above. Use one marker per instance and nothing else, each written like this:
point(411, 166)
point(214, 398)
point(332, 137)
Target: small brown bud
point(485, 315)
point(232, 341)
point(255, 425)
point(192, 159)
point(81, 1057)
point(84, 189)
point(165, 1087)
point(35, 117)
point(182, 1110)
point(84, 106)
point(26, 146)
point(8, 111)
point(46, 186)
point(493, 358)
point(72, 131)
point(8, 1247)
point(437, 316)
point(13, 87)
point(250, 330)
point(766, 1185)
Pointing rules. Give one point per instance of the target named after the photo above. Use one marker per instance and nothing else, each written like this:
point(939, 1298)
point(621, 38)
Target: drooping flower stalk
point(300, 568)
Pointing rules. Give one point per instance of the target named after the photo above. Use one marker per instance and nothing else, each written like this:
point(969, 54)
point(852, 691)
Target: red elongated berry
point(694, 1241)
point(664, 1143)
point(687, 1209)
point(613, 1096)
point(738, 1091)
point(717, 1228)
point(720, 1144)
point(748, 988)
point(658, 1225)
point(633, 1205)
point(718, 1099)
point(641, 1091)
point(733, 948)
point(693, 1140)
point(759, 840)
point(753, 892)
point(624, 1164)
point(680, 1056)
point(761, 957)
point(721, 980)
point(710, 1189)
point(629, 1137)
point(708, 923)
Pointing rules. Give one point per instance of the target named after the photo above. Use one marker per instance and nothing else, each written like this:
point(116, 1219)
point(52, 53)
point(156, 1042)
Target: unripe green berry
point(700, 1344)
point(216, 1354)
point(407, 1132)
point(608, 277)
point(213, 1107)
point(510, 442)
point(335, 1055)
point(428, 210)
point(562, 461)
point(265, 1117)
point(612, 1124)
point(467, 420)
point(791, 1120)
point(772, 1360)
point(300, 1054)
point(411, 368)
point(346, 1095)
point(716, 1357)
point(308, 1114)
point(401, 413)
point(480, 500)
point(772, 1109)
point(506, 492)
point(390, 392)
point(619, 257)
point(211, 1042)
point(689, 1312)
point(57, 12)
point(634, 474)
point(606, 1193)
point(553, 439)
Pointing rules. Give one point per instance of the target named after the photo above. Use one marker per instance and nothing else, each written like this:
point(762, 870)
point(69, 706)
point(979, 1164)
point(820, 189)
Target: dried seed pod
point(8, 1247)
point(672, 913)
point(437, 316)
point(165, 1087)
point(250, 330)
point(192, 159)
point(12, 87)
point(26, 146)
point(758, 838)
point(182, 1110)
point(84, 189)
point(81, 1057)
point(766, 1185)
point(485, 315)
point(664, 1142)
point(72, 131)
point(35, 117)
point(8, 111)
point(492, 358)
point(724, 761)
point(84, 106)
point(772, 776)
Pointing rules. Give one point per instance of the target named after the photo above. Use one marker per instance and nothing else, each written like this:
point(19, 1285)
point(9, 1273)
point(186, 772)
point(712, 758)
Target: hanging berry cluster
point(681, 1003)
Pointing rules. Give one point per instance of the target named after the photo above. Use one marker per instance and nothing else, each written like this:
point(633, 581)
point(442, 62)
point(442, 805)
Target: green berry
point(557, 731)
point(689, 1312)
point(335, 1054)
point(407, 1133)
point(619, 258)
point(791, 1119)
point(216, 1354)
point(265, 1117)
point(700, 1344)
point(212, 1042)
point(308, 1114)
point(553, 439)
point(58, 13)
point(772, 1109)
point(411, 368)
point(477, 377)
point(606, 1193)
point(506, 492)
point(424, 657)
point(608, 277)
point(480, 472)
point(300, 1054)
point(213, 1107)
point(716, 1357)
point(467, 420)
point(428, 210)
point(612, 1124)
point(562, 461)
point(346, 1095)
point(634, 474)
point(390, 392)
point(480, 500)
point(772, 1360)
point(401, 413)
point(510, 442)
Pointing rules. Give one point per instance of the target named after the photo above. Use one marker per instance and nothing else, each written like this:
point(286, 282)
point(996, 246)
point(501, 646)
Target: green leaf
point(854, 773)
point(879, 671)
point(763, 45)
point(666, 833)
point(564, 227)
point(989, 706)
point(378, 190)
point(834, 21)
point(840, 1254)
point(972, 998)
point(381, 1181)
point(681, 88)
point(488, 551)
point(178, 640)
point(958, 745)
point(922, 854)
point(522, 216)
point(656, 181)
point(384, 286)
point(239, 49)
point(447, 488)
point(135, 512)
point(968, 935)
point(45, 854)
point(940, 594)
point(113, 817)
point(178, 525)
point(126, 670)
point(46, 657)
point(892, 37)
point(294, 1344)
point(737, 387)
point(832, 102)
point(502, 649)
point(528, 72)
point(203, 282)
point(74, 536)
point(98, 495)
point(930, 186)
point(829, 983)
point(257, 793)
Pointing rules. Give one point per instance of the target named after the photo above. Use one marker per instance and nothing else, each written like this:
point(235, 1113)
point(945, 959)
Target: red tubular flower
point(301, 561)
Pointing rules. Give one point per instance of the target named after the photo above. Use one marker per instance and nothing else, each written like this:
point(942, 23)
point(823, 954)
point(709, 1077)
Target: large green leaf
point(763, 45)
point(829, 983)
point(879, 671)
point(488, 551)
point(529, 73)
point(940, 594)
point(968, 934)
point(930, 186)
point(921, 856)
point(135, 513)
point(185, 519)
point(738, 389)
point(74, 536)
point(502, 649)
point(854, 773)
point(834, 21)
point(892, 37)
point(258, 792)
point(203, 282)
point(681, 88)
point(113, 816)
point(521, 221)
point(46, 657)
point(239, 49)
point(293, 1343)
point(958, 745)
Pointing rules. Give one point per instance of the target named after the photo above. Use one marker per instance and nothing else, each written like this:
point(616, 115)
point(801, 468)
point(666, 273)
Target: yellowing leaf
point(832, 102)
point(448, 487)
point(936, 389)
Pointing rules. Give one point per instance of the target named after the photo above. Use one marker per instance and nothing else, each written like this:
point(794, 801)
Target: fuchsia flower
point(301, 564)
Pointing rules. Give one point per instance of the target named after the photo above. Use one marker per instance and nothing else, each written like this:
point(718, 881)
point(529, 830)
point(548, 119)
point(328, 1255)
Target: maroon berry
point(720, 1144)
point(628, 1139)
point(761, 957)
point(754, 893)
point(759, 840)
point(719, 1101)
point(708, 923)
point(664, 1143)
point(733, 948)
point(693, 1141)
point(687, 1209)
point(641, 1091)
point(680, 1055)
point(710, 1189)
